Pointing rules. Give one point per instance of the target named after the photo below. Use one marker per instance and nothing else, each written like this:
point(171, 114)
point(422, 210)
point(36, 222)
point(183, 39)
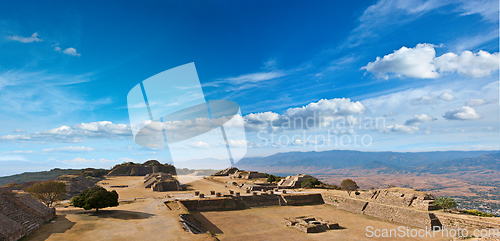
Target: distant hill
point(482, 163)
point(39, 176)
point(341, 159)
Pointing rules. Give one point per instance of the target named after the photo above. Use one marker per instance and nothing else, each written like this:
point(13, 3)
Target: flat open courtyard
point(142, 215)
point(264, 223)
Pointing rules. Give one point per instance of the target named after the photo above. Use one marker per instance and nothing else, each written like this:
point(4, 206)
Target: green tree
point(310, 183)
point(349, 185)
point(95, 198)
point(446, 203)
point(271, 178)
point(48, 192)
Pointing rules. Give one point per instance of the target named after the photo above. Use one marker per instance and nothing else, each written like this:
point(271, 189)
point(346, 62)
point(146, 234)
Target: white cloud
point(311, 115)
point(446, 96)
point(384, 15)
point(400, 129)
point(76, 133)
point(238, 143)
point(479, 102)
point(80, 160)
point(488, 9)
point(424, 100)
point(44, 95)
point(71, 51)
point(199, 144)
point(390, 114)
point(56, 47)
point(411, 62)
point(432, 99)
point(462, 113)
point(17, 130)
point(256, 77)
point(33, 38)
point(416, 120)
point(19, 152)
point(69, 149)
point(421, 62)
point(467, 63)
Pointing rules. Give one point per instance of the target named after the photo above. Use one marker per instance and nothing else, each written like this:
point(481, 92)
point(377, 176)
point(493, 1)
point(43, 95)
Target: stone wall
point(450, 222)
point(406, 216)
point(21, 214)
point(260, 200)
point(302, 198)
point(234, 203)
point(208, 204)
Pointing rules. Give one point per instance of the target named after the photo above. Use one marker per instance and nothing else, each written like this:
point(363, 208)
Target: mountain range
point(324, 162)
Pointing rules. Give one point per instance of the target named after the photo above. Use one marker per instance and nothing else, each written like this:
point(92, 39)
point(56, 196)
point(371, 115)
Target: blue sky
point(428, 68)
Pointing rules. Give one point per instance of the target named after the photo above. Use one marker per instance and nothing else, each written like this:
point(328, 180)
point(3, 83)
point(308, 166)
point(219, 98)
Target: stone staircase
point(24, 211)
point(19, 213)
point(435, 221)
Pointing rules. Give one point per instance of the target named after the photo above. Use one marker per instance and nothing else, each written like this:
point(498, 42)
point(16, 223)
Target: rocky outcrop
point(136, 169)
point(20, 214)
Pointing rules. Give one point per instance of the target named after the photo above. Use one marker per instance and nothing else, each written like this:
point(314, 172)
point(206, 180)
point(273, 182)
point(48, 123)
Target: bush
point(235, 184)
point(357, 193)
point(271, 178)
point(95, 198)
point(477, 213)
point(310, 183)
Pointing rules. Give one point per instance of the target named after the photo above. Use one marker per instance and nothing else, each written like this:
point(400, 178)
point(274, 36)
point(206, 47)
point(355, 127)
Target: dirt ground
point(264, 223)
point(145, 218)
point(142, 215)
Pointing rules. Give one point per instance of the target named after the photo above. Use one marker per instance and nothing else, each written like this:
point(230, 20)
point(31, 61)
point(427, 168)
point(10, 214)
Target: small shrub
point(477, 213)
point(357, 193)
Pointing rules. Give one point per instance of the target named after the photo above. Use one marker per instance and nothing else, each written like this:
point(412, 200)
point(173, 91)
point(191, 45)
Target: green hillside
point(45, 175)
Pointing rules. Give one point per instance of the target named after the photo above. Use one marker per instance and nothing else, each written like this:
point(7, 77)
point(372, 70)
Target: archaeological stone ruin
point(226, 172)
point(135, 169)
point(247, 174)
point(402, 197)
point(162, 182)
point(308, 224)
point(20, 214)
point(293, 181)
